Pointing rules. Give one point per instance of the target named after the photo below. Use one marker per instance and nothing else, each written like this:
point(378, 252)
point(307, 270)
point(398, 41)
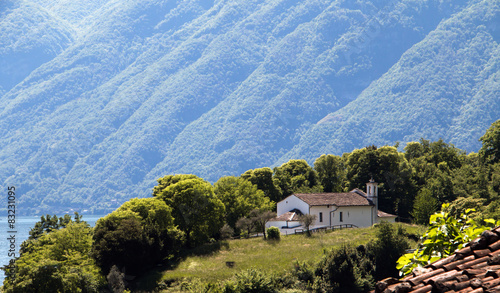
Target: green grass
point(273, 257)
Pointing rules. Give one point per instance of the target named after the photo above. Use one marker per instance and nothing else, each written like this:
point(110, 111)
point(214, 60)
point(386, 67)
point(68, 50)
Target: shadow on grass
point(202, 250)
point(151, 279)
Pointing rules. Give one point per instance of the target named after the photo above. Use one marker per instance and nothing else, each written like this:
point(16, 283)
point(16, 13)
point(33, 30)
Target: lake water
point(23, 227)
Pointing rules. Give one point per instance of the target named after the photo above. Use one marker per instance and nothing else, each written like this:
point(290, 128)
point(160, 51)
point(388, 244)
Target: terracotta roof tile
point(382, 214)
point(288, 216)
point(338, 199)
point(473, 269)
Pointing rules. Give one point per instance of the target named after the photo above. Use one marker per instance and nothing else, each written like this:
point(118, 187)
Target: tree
point(294, 176)
point(115, 280)
point(168, 180)
point(245, 224)
point(307, 220)
point(48, 224)
point(240, 197)
point(344, 270)
point(197, 210)
point(490, 150)
point(259, 219)
point(58, 262)
point(390, 244)
point(263, 178)
point(424, 206)
point(137, 235)
point(331, 174)
point(388, 167)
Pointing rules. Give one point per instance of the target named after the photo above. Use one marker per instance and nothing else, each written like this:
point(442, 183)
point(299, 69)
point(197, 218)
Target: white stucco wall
point(290, 203)
point(280, 224)
point(360, 216)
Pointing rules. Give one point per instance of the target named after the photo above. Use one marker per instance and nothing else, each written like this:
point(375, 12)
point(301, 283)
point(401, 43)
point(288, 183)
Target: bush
point(387, 248)
point(226, 232)
point(273, 233)
point(344, 270)
point(250, 281)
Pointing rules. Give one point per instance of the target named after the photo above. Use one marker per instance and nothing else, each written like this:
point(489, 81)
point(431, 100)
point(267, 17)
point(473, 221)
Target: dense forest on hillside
point(100, 98)
point(187, 212)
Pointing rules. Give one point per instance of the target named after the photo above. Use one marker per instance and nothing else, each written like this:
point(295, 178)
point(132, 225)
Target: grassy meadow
point(208, 263)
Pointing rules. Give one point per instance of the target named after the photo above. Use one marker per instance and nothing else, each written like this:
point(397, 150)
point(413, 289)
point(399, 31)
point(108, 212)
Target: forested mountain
point(98, 98)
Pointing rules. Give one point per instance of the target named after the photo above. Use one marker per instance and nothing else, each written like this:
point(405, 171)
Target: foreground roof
point(382, 214)
point(353, 198)
point(474, 269)
point(288, 216)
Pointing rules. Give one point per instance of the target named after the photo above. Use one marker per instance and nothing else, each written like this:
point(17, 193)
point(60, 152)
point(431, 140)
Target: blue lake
point(23, 227)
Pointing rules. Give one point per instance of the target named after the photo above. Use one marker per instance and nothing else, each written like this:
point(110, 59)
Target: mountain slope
point(133, 90)
point(446, 86)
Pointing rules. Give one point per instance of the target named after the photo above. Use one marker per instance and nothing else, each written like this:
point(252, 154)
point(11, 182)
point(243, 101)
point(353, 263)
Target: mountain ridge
point(144, 89)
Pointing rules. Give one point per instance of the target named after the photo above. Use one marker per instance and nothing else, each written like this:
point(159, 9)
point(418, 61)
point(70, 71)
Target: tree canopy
point(240, 197)
point(196, 208)
point(490, 149)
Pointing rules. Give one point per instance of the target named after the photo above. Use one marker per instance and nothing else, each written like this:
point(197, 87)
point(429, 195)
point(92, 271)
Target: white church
point(331, 209)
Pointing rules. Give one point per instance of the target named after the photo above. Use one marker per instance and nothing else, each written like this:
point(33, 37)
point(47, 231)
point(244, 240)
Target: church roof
point(354, 198)
point(474, 269)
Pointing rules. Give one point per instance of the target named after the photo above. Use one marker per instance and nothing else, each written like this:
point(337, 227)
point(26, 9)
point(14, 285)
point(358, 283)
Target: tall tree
point(240, 197)
point(263, 178)
point(490, 150)
point(331, 174)
point(168, 180)
point(424, 206)
point(390, 169)
point(58, 262)
point(296, 176)
point(138, 234)
point(197, 210)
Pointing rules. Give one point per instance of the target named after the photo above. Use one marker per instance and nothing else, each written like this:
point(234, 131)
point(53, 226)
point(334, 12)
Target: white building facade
point(331, 209)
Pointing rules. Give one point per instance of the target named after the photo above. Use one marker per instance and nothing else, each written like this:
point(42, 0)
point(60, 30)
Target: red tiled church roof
point(474, 269)
point(353, 198)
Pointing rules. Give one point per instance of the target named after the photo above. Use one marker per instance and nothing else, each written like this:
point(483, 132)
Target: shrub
point(387, 248)
point(273, 233)
point(344, 270)
point(251, 280)
point(226, 232)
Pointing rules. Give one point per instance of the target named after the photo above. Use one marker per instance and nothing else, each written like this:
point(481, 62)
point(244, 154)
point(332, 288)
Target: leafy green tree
point(46, 225)
point(444, 236)
point(246, 226)
point(390, 169)
point(424, 206)
point(137, 235)
point(263, 178)
point(259, 218)
point(307, 220)
point(296, 176)
point(390, 244)
point(331, 173)
point(344, 270)
point(471, 179)
point(240, 197)
point(475, 206)
point(490, 150)
point(58, 262)
point(168, 180)
point(197, 210)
